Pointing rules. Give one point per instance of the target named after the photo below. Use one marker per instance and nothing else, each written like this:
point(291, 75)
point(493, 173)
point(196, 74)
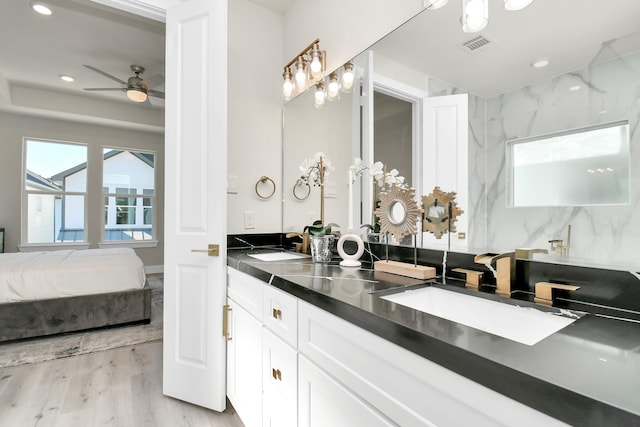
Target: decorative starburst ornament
point(398, 212)
point(438, 217)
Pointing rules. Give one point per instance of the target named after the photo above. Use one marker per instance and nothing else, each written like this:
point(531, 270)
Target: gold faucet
point(546, 291)
point(505, 271)
point(559, 247)
point(527, 253)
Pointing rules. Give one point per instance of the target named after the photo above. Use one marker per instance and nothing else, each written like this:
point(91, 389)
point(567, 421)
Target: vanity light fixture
point(41, 8)
point(434, 4)
point(475, 15)
point(333, 87)
point(516, 4)
point(66, 78)
point(320, 97)
point(301, 74)
point(287, 85)
point(304, 69)
point(348, 77)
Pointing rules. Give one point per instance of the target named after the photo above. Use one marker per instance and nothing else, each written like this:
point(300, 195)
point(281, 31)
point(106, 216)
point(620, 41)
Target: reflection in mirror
point(397, 213)
point(592, 78)
point(580, 167)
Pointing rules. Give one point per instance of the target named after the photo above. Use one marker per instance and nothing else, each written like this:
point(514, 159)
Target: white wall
point(255, 115)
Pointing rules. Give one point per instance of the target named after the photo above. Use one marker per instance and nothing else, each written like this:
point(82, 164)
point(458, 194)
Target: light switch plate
point(330, 190)
point(249, 220)
point(232, 184)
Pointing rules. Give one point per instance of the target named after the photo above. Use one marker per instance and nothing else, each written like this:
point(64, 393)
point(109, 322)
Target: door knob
point(212, 250)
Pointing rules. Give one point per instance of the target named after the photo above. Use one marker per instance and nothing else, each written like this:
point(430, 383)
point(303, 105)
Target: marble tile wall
point(605, 236)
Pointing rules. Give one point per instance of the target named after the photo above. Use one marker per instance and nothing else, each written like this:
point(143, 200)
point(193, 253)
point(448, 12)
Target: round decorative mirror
point(440, 212)
point(398, 212)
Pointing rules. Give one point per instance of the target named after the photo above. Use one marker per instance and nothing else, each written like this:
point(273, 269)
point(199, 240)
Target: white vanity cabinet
point(389, 385)
point(291, 363)
point(244, 349)
point(262, 365)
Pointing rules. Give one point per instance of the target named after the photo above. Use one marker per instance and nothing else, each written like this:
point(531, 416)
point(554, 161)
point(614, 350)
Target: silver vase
point(322, 247)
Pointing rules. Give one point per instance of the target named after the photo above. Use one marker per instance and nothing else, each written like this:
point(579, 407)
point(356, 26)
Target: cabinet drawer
point(246, 291)
point(280, 382)
point(280, 314)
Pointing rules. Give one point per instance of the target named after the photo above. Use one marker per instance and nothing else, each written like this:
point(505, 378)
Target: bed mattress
point(27, 276)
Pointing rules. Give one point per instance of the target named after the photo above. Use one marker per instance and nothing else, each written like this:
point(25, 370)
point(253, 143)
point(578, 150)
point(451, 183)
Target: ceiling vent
point(476, 44)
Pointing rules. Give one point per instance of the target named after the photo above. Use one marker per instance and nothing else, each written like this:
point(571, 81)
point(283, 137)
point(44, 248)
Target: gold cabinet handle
point(225, 322)
point(277, 314)
point(212, 250)
point(276, 374)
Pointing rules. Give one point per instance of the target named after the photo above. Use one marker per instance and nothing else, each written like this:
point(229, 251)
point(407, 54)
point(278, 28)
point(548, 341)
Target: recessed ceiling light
point(539, 63)
point(42, 9)
point(576, 87)
point(67, 78)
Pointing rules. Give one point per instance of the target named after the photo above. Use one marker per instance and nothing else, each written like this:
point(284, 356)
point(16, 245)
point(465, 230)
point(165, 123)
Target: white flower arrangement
point(377, 172)
point(311, 169)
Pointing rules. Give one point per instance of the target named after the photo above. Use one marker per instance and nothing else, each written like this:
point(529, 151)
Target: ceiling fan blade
point(154, 81)
point(119, 89)
point(156, 93)
point(106, 74)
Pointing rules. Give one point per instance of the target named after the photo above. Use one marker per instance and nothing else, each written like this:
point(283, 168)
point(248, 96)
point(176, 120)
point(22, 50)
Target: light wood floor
point(120, 387)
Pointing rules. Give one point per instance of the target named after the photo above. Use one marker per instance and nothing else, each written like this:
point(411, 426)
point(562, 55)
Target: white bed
point(28, 276)
point(46, 293)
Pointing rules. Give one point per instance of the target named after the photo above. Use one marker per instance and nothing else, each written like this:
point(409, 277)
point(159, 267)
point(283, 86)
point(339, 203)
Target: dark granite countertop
point(586, 374)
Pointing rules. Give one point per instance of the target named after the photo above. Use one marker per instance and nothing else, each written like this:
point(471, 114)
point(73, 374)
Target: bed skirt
point(28, 319)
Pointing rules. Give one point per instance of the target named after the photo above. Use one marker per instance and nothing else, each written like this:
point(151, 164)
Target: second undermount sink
point(526, 325)
point(277, 256)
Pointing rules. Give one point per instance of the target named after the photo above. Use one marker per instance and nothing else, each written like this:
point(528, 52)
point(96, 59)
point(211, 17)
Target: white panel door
point(195, 201)
point(445, 153)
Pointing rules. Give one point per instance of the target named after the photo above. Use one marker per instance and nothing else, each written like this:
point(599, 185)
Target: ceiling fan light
point(136, 94)
point(516, 4)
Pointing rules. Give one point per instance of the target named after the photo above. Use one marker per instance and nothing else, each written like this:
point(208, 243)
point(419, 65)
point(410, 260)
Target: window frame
point(24, 202)
point(139, 197)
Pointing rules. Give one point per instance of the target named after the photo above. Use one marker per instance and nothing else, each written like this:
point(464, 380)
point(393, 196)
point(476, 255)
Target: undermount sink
point(277, 256)
point(526, 325)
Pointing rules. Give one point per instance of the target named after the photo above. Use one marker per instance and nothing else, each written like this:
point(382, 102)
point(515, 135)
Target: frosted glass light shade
point(516, 4)
point(136, 95)
point(475, 15)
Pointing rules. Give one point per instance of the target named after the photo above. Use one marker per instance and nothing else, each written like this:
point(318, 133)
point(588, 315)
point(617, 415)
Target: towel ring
point(299, 183)
point(263, 179)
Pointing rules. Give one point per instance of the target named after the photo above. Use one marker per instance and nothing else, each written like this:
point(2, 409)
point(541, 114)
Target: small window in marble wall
point(579, 167)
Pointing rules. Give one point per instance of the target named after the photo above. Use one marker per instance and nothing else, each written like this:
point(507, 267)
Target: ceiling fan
point(137, 89)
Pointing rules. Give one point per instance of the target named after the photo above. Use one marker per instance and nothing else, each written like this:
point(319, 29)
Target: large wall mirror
point(592, 79)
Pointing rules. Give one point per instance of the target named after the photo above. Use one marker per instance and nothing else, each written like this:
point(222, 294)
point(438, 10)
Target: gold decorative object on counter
point(264, 180)
point(398, 212)
point(440, 212)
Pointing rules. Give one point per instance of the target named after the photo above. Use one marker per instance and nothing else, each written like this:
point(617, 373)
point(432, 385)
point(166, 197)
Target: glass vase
point(322, 247)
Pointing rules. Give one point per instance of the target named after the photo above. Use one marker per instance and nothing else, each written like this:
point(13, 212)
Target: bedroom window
point(55, 189)
point(128, 180)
